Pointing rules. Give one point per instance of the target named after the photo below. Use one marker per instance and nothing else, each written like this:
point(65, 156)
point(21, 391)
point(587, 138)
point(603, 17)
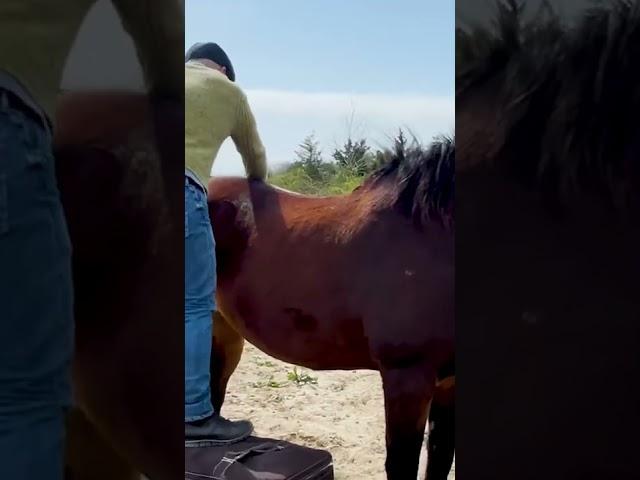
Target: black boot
point(216, 430)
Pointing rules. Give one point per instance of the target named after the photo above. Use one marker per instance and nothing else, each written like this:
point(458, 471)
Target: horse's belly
point(295, 336)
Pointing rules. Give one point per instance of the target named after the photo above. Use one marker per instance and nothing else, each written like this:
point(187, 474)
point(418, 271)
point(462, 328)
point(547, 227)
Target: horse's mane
point(568, 93)
point(423, 179)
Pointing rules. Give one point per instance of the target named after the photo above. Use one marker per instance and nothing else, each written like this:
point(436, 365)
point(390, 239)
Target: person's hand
point(255, 178)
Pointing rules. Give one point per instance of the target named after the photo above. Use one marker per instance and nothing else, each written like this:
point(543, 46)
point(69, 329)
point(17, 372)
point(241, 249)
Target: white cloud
point(284, 118)
point(411, 107)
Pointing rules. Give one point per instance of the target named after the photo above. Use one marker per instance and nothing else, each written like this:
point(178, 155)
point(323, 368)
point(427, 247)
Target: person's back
point(217, 109)
point(206, 128)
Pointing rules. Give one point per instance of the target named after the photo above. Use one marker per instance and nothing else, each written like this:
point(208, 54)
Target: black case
point(258, 459)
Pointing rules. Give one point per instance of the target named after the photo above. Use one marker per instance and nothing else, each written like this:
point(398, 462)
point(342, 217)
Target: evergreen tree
point(354, 156)
point(309, 156)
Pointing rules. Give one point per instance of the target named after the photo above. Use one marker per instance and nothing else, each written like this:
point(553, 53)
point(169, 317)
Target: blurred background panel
point(103, 56)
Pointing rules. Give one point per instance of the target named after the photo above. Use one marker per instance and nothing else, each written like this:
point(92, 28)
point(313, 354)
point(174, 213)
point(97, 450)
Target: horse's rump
point(106, 118)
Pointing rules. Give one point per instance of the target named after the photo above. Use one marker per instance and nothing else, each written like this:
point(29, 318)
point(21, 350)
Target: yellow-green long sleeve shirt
point(216, 109)
point(36, 37)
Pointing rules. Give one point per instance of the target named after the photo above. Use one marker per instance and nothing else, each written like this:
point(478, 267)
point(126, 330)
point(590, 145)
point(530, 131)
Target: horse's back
point(84, 118)
point(227, 188)
point(360, 225)
point(235, 188)
point(297, 208)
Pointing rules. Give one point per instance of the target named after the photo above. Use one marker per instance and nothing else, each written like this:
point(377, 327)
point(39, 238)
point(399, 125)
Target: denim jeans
point(36, 302)
point(199, 302)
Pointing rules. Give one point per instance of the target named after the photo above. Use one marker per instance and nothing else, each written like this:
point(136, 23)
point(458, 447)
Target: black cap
point(213, 52)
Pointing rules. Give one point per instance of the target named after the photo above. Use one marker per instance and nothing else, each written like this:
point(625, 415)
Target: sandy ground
point(338, 411)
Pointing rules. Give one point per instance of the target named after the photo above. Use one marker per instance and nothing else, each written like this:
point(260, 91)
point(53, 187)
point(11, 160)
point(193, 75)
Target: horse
point(127, 368)
point(358, 281)
point(442, 426)
point(547, 237)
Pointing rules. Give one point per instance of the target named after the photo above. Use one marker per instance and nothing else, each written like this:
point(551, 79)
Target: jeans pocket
point(40, 166)
point(196, 211)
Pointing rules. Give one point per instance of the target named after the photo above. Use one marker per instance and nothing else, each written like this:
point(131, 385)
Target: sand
point(338, 411)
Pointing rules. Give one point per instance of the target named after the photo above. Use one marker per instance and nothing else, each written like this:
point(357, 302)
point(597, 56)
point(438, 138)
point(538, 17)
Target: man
point(36, 298)
point(215, 109)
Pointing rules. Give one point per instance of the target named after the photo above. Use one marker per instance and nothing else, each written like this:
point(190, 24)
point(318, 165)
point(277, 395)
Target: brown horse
point(127, 370)
point(361, 281)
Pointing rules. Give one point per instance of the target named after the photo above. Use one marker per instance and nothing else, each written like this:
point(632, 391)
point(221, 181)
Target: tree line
point(313, 173)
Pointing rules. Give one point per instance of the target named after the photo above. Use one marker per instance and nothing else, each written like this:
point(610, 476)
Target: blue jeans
point(36, 302)
point(199, 302)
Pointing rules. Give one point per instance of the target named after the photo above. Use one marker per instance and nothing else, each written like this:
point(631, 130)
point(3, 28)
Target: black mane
point(423, 178)
point(569, 94)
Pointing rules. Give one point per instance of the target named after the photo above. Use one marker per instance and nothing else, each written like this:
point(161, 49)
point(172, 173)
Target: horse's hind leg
point(225, 355)
point(441, 443)
point(407, 395)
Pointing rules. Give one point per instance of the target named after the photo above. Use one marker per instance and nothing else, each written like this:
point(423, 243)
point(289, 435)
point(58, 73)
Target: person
point(36, 291)
point(215, 109)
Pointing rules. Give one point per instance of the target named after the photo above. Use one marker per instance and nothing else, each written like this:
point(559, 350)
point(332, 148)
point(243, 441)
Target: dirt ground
point(338, 411)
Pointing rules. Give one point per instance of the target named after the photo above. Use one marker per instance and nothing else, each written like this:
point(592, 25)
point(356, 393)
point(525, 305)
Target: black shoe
point(216, 430)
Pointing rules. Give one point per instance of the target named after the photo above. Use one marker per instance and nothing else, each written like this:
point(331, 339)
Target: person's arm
point(157, 30)
point(247, 141)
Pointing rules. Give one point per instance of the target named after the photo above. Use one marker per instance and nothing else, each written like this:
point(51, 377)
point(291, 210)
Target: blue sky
point(333, 66)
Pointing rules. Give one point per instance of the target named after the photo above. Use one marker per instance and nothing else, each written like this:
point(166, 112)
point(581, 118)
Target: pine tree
point(309, 156)
point(354, 156)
